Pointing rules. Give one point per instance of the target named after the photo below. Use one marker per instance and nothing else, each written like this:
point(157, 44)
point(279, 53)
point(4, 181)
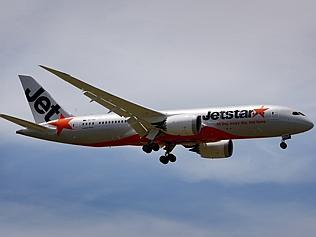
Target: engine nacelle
point(183, 125)
point(214, 150)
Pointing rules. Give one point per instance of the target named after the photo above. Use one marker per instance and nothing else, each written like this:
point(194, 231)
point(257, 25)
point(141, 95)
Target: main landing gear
point(283, 144)
point(168, 157)
point(148, 148)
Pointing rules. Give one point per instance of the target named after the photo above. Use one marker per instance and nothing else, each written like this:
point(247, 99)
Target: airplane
point(208, 132)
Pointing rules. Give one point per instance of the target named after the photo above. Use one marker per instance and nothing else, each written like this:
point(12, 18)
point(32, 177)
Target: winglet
point(66, 77)
point(57, 73)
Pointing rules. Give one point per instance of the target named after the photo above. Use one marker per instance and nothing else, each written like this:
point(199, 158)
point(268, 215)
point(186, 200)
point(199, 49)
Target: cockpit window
point(298, 113)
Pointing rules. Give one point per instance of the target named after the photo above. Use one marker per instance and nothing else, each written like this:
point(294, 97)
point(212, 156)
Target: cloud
point(287, 219)
point(119, 191)
point(43, 221)
point(264, 162)
point(193, 50)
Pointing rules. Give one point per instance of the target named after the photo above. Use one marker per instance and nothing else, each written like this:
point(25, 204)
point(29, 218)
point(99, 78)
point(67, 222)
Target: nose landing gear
point(283, 144)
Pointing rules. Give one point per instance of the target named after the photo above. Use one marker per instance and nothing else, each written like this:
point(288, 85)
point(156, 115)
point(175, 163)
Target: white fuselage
point(236, 122)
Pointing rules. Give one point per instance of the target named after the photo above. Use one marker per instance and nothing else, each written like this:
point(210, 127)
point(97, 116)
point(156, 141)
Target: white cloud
point(253, 162)
point(284, 219)
point(194, 55)
point(180, 54)
point(45, 221)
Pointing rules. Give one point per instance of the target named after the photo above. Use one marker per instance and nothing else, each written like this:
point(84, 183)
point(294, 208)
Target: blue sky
point(179, 54)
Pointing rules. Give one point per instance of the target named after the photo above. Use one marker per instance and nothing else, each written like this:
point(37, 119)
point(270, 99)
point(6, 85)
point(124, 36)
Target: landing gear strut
point(283, 144)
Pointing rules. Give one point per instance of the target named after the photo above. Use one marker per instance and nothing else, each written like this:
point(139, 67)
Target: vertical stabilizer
point(42, 104)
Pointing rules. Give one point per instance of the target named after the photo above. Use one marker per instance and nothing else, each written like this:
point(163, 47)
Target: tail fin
point(43, 106)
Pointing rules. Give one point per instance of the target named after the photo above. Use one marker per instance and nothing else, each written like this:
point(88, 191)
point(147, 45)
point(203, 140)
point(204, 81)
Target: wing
point(140, 118)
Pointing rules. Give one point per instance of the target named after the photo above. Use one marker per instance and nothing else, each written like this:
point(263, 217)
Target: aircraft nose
point(308, 124)
point(311, 125)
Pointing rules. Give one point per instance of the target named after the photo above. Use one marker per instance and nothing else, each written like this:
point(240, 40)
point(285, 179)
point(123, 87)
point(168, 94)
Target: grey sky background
point(164, 55)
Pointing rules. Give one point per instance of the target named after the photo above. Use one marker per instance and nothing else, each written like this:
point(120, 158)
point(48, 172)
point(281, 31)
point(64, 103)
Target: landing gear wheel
point(168, 157)
point(155, 147)
point(172, 158)
point(147, 148)
point(283, 145)
point(164, 160)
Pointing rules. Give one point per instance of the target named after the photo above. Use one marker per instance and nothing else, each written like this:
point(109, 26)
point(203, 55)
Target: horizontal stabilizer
point(24, 123)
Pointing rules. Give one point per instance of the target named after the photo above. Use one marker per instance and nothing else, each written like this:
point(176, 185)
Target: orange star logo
point(260, 111)
point(61, 123)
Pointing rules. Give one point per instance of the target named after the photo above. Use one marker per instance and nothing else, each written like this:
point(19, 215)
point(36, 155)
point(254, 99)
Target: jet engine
point(181, 125)
point(214, 150)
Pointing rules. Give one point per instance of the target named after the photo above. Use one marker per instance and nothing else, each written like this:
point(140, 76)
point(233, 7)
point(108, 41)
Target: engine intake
point(214, 150)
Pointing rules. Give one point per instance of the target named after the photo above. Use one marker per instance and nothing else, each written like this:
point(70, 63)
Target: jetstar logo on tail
point(42, 104)
point(235, 114)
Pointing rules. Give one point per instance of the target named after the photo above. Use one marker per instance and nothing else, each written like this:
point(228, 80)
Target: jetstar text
point(228, 114)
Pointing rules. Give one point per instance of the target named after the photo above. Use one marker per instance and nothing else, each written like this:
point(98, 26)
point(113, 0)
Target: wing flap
point(137, 126)
point(107, 104)
point(24, 123)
